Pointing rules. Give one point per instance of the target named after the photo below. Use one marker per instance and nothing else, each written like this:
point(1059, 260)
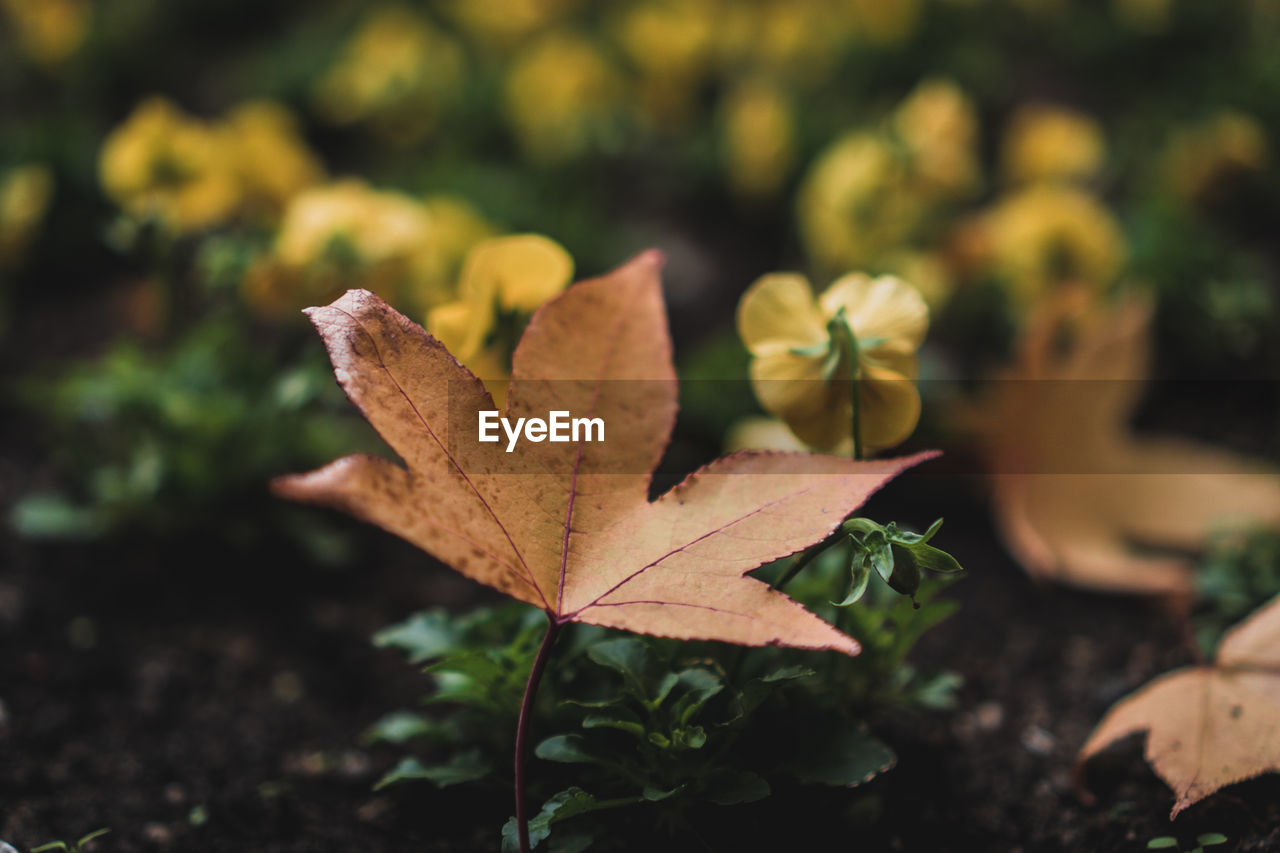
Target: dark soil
point(190, 698)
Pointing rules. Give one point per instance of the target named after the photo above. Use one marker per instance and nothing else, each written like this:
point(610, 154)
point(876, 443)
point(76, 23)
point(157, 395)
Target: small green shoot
point(74, 847)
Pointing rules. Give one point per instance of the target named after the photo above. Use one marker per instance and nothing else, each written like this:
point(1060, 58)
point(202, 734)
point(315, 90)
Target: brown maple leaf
point(1208, 726)
point(569, 527)
point(1074, 489)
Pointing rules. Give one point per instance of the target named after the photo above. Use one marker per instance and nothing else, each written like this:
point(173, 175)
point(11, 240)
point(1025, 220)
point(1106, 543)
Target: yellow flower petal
point(522, 271)
point(790, 385)
point(490, 367)
point(454, 325)
point(778, 313)
point(884, 309)
point(889, 407)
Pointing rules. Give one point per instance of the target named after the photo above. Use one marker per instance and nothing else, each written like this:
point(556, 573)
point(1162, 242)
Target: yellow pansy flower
point(166, 165)
point(759, 137)
point(672, 46)
point(883, 22)
point(854, 203)
point(561, 97)
point(938, 126)
point(190, 174)
point(25, 192)
point(508, 275)
point(272, 162)
point(502, 25)
point(1052, 143)
point(1198, 157)
point(397, 73)
point(808, 354)
point(1048, 234)
point(336, 236)
point(49, 31)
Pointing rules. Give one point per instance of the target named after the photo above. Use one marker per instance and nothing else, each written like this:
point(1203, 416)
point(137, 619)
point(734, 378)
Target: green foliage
point(75, 846)
point(1239, 573)
point(478, 663)
point(657, 730)
point(156, 440)
point(1169, 842)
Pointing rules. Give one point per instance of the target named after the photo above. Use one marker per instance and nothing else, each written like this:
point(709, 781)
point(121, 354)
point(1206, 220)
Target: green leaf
point(655, 794)
point(861, 526)
point(851, 757)
point(423, 636)
point(567, 749)
point(937, 691)
point(933, 559)
point(788, 673)
point(402, 726)
point(880, 555)
point(691, 737)
point(604, 721)
point(1164, 842)
point(46, 516)
point(860, 575)
point(564, 805)
point(464, 767)
point(700, 684)
point(626, 656)
point(906, 537)
point(730, 787)
point(1209, 839)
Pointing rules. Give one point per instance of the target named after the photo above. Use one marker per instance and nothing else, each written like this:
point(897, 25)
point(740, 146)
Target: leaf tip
point(655, 258)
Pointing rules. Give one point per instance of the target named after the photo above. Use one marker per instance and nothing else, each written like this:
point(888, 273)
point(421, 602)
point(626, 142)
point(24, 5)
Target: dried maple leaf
point(1208, 726)
point(1074, 490)
point(569, 527)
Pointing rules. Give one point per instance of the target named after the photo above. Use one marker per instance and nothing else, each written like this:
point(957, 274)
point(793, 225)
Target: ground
point(188, 698)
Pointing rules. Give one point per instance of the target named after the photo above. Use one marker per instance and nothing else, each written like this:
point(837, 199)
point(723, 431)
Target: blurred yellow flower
point(803, 369)
point(800, 40)
point(272, 161)
point(561, 97)
point(758, 119)
point(672, 46)
point(25, 192)
point(507, 275)
point(927, 272)
point(1051, 143)
point(163, 164)
point(1050, 234)
point(1200, 156)
point(456, 228)
point(854, 202)
point(397, 72)
point(190, 174)
point(939, 128)
point(883, 22)
point(49, 31)
point(347, 234)
point(508, 23)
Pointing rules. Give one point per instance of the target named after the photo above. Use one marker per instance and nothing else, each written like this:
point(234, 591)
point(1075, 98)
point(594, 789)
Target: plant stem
point(806, 557)
point(522, 727)
point(850, 341)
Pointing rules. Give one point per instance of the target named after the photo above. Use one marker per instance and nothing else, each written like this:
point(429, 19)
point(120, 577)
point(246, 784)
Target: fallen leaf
point(569, 527)
point(1208, 726)
point(1074, 490)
